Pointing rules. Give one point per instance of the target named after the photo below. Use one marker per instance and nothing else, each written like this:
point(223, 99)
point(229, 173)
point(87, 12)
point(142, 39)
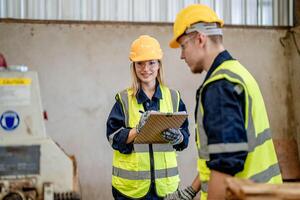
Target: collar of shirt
point(222, 57)
point(142, 97)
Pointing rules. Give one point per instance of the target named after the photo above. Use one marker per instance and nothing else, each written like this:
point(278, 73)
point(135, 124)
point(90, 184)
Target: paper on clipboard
point(156, 123)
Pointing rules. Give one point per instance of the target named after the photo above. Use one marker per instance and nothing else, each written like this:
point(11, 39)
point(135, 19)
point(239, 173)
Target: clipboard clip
point(169, 114)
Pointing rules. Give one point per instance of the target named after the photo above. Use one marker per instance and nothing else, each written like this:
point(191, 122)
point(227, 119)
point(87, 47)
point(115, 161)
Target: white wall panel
point(155, 11)
point(124, 8)
point(41, 9)
point(248, 12)
point(219, 8)
point(251, 12)
point(267, 14)
point(209, 3)
point(51, 9)
point(141, 10)
point(237, 14)
point(173, 8)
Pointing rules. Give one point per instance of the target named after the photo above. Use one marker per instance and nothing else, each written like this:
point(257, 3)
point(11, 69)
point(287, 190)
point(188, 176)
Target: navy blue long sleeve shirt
point(116, 122)
point(224, 119)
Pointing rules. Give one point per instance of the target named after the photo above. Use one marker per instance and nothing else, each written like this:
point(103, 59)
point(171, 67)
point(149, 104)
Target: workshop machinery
point(32, 165)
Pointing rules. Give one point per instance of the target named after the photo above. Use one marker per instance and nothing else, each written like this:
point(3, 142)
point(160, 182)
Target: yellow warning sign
point(15, 81)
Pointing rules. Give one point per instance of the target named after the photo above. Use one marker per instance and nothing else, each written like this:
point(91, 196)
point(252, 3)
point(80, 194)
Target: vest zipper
point(152, 165)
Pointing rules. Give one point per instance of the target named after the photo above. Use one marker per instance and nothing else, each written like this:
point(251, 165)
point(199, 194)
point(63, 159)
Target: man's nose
point(182, 55)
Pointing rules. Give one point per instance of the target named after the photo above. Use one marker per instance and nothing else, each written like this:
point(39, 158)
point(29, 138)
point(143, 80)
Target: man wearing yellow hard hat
point(233, 135)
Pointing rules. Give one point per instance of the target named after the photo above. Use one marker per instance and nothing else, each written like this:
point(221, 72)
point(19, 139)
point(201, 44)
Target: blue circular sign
point(9, 120)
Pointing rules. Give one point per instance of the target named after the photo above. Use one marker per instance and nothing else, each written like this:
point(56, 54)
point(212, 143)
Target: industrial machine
point(32, 165)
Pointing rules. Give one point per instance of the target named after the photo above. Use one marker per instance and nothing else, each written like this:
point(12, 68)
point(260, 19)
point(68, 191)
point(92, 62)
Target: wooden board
point(239, 189)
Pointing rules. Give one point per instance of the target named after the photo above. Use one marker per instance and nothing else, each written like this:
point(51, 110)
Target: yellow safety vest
point(261, 164)
point(131, 174)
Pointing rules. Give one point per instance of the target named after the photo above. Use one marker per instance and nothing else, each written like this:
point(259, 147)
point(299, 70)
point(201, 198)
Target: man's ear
point(201, 39)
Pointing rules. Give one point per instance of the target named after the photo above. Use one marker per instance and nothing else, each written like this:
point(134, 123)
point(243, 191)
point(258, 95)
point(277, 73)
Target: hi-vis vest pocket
point(128, 161)
point(126, 171)
point(170, 159)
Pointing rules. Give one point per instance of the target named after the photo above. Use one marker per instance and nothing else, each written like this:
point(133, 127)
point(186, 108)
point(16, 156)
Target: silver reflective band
point(111, 137)
point(205, 28)
point(164, 173)
point(227, 148)
point(239, 89)
point(266, 175)
point(204, 186)
point(124, 101)
point(142, 148)
point(175, 100)
point(131, 175)
point(142, 175)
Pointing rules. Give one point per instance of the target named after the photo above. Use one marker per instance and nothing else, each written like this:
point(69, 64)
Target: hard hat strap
point(205, 28)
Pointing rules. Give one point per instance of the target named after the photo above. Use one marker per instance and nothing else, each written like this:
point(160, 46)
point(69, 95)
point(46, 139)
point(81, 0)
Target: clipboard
point(156, 123)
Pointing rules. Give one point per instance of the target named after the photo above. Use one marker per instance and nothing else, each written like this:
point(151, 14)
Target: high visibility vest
point(131, 174)
point(261, 164)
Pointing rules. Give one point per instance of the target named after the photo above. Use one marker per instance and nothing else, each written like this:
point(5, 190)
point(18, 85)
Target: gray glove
point(172, 135)
point(142, 121)
point(182, 194)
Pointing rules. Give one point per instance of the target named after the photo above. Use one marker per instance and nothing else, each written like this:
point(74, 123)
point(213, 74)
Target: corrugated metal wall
point(244, 12)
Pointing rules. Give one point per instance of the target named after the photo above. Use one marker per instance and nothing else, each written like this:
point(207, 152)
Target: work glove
point(187, 193)
point(172, 135)
point(142, 121)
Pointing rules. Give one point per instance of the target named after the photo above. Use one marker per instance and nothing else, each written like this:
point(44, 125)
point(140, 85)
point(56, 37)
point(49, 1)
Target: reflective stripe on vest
point(260, 141)
point(142, 175)
point(131, 172)
point(204, 186)
point(156, 148)
point(111, 136)
point(266, 175)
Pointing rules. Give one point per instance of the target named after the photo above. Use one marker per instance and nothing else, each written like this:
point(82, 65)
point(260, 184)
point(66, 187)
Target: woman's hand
point(172, 135)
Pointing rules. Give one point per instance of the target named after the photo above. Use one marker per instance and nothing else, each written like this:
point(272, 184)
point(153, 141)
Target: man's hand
point(182, 194)
point(172, 135)
point(142, 121)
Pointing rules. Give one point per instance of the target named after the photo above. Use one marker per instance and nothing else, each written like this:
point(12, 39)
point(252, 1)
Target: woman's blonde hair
point(136, 83)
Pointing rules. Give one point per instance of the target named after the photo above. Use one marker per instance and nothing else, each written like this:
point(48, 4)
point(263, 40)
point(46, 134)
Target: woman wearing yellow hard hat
point(144, 171)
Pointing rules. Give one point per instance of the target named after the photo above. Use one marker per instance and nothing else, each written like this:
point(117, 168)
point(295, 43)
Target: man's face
point(191, 52)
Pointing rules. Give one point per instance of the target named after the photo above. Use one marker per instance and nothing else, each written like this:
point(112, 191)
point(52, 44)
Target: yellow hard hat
point(145, 48)
point(191, 15)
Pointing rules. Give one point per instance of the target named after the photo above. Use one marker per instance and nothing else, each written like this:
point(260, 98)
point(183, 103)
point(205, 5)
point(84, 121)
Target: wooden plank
point(240, 189)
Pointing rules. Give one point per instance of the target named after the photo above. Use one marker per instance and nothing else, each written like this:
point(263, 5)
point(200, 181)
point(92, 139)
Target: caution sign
point(15, 91)
point(14, 81)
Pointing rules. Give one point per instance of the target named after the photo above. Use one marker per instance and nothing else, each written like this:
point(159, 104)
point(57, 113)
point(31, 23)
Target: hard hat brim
point(174, 44)
point(142, 58)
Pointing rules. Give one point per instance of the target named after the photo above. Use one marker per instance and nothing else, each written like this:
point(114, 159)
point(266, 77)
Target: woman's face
point(146, 71)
